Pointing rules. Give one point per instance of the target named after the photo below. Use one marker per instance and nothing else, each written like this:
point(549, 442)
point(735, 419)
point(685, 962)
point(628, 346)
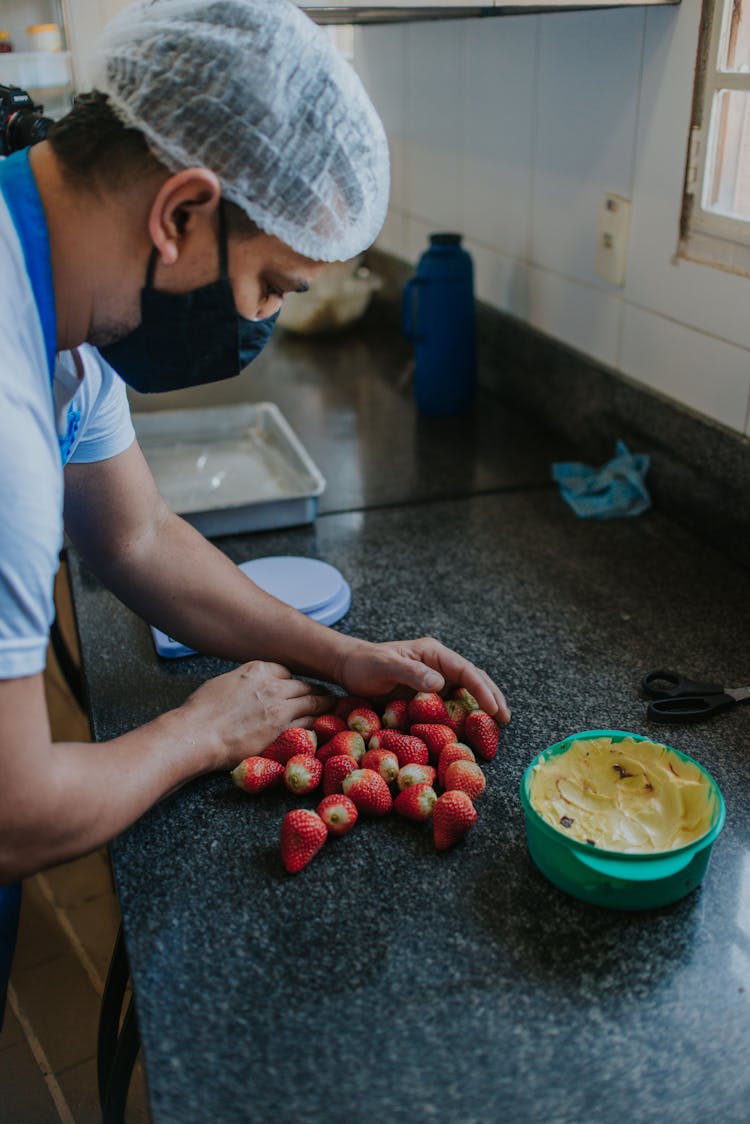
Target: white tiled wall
point(84, 21)
point(512, 129)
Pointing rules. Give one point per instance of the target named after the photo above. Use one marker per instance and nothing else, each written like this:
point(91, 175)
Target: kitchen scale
point(315, 588)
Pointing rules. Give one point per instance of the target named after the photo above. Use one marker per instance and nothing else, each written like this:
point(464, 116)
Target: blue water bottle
point(438, 317)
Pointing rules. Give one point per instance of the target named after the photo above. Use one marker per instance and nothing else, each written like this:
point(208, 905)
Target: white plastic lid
point(306, 584)
point(335, 609)
point(314, 587)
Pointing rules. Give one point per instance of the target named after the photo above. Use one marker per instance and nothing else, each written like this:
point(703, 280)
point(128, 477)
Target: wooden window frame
point(706, 236)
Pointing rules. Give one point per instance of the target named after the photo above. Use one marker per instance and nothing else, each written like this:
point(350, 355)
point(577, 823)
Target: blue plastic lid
point(168, 647)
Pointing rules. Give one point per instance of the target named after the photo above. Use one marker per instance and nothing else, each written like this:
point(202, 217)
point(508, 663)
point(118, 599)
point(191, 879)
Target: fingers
point(307, 707)
point(419, 676)
point(457, 671)
point(434, 667)
point(491, 698)
point(277, 669)
point(488, 694)
point(300, 690)
point(296, 688)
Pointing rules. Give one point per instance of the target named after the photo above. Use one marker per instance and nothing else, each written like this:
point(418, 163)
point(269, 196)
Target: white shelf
point(36, 70)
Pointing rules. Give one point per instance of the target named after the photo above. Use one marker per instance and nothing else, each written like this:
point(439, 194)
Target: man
point(231, 153)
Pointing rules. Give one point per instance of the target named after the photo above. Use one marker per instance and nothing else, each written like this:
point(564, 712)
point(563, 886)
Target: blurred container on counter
point(438, 317)
point(5, 44)
point(44, 37)
point(335, 300)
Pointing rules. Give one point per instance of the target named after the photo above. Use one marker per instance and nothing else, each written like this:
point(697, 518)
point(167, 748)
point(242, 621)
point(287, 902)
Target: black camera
point(21, 122)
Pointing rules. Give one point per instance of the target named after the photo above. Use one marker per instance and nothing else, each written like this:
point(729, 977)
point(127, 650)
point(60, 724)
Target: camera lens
point(25, 129)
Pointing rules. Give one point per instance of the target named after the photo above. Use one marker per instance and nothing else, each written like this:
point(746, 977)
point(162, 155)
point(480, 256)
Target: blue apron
point(10, 907)
point(21, 197)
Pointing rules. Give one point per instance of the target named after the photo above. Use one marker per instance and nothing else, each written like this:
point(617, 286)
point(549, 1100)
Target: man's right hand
point(241, 712)
point(59, 800)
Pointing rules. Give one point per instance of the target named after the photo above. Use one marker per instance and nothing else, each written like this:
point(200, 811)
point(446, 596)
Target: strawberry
point(369, 792)
point(326, 725)
point(456, 751)
point(303, 833)
point(334, 771)
point(482, 733)
point(256, 773)
point(294, 740)
point(465, 697)
point(415, 802)
point(435, 737)
point(302, 773)
point(427, 706)
point(395, 716)
point(465, 776)
point(347, 704)
point(383, 761)
point(413, 774)
point(364, 720)
point(338, 813)
point(452, 817)
point(346, 741)
point(408, 749)
point(456, 716)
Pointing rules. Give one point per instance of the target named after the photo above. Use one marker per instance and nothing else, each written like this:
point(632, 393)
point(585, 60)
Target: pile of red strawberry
point(417, 746)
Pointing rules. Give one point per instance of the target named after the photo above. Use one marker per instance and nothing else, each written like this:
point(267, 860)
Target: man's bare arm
point(60, 800)
point(168, 573)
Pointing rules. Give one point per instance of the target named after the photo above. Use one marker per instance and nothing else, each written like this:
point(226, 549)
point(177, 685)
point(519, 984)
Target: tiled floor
point(69, 921)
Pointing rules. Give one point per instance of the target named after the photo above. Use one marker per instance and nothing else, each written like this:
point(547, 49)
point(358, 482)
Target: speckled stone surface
point(700, 469)
point(386, 981)
point(349, 399)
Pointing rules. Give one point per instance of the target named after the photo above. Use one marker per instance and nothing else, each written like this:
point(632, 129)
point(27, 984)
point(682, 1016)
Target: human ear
point(183, 199)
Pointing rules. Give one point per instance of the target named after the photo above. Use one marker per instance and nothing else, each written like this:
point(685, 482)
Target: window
point(716, 213)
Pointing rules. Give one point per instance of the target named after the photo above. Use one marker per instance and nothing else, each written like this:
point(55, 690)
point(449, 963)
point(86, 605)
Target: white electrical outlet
point(614, 219)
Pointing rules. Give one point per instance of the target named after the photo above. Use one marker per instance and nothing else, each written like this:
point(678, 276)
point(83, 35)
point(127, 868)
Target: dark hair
point(96, 150)
point(238, 224)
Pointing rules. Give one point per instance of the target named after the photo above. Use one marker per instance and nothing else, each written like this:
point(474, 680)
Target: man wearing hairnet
point(151, 240)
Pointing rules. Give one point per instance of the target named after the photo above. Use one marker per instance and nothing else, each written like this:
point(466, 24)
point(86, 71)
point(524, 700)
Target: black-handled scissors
point(677, 699)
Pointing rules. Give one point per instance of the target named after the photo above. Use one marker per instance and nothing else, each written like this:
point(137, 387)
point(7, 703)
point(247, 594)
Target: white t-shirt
point(42, 423)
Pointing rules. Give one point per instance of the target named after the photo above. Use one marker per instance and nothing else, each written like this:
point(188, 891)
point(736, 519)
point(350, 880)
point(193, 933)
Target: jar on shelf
point(44, 37)
point(5, 44)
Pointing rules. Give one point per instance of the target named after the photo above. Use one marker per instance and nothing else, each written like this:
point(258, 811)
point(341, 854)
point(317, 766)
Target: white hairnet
point(255, 91)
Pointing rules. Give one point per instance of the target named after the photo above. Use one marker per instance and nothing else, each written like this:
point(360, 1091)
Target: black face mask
point(187, 339)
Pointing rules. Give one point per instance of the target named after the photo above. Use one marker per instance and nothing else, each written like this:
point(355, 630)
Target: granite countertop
point(349, 399)
point(386, 981)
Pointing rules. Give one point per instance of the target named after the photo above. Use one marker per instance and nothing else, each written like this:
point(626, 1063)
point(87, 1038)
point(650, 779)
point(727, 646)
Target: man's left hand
point(372, 670)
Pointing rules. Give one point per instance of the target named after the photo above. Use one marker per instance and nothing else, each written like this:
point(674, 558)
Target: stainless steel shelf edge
point(358, 14)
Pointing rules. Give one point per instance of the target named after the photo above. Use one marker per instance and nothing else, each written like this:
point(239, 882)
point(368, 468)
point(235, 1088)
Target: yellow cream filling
point(624, 796)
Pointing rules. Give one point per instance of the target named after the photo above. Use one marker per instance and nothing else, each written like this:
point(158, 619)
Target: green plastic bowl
point(611, 878)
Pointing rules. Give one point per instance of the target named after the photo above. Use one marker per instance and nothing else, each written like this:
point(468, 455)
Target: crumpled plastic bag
point(613, 491)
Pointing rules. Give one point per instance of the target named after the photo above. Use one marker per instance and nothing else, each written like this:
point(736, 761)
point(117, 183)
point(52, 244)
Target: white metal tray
point(229, 469)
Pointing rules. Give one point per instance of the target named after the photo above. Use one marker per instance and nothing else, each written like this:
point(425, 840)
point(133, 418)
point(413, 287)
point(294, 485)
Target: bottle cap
point(445, 239)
